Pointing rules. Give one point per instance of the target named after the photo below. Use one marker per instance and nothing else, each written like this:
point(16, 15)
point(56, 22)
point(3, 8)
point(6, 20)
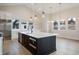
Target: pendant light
point(30, 19)
point(35, 17)
point(43, 14)
point(59, 11)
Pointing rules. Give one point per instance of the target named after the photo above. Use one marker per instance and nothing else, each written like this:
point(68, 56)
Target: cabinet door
point(25, 39)
point(46, 45)
point(20, 37)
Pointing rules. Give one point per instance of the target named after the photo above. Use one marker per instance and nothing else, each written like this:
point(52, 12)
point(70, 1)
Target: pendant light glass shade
point(35, 17)
point(43, 14)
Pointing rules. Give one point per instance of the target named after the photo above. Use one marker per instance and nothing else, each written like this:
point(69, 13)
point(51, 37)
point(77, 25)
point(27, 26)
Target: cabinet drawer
point(32, 41)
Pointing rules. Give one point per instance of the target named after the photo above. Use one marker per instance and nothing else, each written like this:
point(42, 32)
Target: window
point(62, 25)
point(55, 25)
point(16, 24)
point(71, 23)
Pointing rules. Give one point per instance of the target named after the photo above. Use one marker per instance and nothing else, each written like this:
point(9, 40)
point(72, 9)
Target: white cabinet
point(1, 43)
point(1, 47)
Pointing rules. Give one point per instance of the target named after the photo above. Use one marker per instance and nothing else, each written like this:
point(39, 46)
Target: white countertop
point(38, 34)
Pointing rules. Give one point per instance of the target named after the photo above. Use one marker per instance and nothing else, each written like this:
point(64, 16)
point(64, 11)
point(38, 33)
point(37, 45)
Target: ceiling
point(51, 7)
point(46, 7)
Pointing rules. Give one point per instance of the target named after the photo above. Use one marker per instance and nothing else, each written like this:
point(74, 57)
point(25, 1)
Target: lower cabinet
point(38, 46)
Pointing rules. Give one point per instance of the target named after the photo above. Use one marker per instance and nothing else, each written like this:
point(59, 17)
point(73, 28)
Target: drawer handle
point(32, 39)
point(32, 46)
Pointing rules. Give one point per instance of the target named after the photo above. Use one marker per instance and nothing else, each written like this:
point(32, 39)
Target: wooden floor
point(67, 47)
point(64, 47)
point(12, 47)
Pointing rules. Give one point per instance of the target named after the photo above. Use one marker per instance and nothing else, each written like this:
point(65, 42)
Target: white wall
point(20, 12)
point(71, 34)
point(44, 23)
point(41, 24)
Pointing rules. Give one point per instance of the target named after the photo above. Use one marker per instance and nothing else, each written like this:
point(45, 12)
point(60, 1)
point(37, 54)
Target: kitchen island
point(38, 43)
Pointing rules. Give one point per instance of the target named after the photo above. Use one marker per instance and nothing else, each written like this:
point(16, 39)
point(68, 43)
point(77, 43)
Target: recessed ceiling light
point(39, 9)
point(35, 15)
point(43, 12)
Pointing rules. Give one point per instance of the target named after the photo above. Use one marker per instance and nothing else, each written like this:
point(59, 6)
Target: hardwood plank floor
point(64, 47)
point(12, 47)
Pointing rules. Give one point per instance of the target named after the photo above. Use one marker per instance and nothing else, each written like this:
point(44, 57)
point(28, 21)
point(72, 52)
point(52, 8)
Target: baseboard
point(66, 38)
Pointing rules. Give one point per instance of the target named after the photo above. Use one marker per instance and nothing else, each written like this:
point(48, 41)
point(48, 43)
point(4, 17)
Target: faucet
point(30, 28)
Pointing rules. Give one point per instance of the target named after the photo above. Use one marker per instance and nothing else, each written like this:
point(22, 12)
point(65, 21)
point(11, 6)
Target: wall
point(17, 10)
point(71, 34)
point(20, 12)
point(24, 13)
